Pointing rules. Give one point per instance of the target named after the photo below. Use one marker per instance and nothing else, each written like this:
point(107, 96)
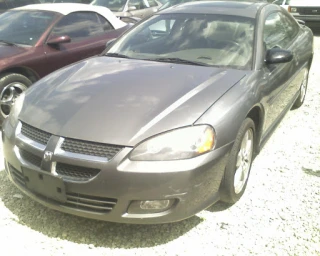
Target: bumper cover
point(192, 184)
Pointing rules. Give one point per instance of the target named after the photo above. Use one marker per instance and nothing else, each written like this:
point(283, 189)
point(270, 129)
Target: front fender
point(228, 113)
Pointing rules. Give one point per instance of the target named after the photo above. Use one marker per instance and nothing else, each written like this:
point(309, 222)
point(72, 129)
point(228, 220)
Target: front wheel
point(11, 86)
point(237, 171)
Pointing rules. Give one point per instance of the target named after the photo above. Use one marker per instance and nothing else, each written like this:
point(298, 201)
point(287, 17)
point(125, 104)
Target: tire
point(230, 191)
point(11, 86)
point(303, 90)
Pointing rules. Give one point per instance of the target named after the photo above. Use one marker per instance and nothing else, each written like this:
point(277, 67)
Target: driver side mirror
point(278, 55)
point(56, 40)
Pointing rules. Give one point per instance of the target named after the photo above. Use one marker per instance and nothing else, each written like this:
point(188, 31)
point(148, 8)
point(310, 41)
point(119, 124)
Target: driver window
point(274, 33)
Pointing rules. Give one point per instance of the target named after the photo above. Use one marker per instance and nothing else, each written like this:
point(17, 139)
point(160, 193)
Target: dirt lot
point(278, 215)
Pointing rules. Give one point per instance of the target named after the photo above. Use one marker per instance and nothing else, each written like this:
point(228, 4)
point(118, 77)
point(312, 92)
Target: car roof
point(239, 8)
point(67, 8)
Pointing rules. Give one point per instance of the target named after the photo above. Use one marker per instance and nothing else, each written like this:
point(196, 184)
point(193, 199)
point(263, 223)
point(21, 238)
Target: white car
point(305, 10)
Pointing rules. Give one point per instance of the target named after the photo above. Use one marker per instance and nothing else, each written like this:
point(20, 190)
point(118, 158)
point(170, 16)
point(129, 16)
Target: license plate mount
point(45, 184)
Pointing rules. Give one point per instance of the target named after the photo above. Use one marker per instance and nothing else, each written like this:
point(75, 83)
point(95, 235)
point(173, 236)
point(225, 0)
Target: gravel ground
point(278, 214)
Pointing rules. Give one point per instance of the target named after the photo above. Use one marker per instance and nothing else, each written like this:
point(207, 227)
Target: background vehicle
point(9, 4)
point(305, 10)
point(164, 123)
point(135, 8)
point(38, 39)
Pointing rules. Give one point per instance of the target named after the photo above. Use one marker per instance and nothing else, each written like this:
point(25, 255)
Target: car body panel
point(148, 105)
point(122, 102)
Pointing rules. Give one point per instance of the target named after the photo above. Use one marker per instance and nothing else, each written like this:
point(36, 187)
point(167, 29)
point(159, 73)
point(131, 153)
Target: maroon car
point(38, 39)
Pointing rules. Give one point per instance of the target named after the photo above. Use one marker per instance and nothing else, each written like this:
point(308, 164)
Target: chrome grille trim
point(35, 134)
point(62, 156)
point(30, 158)
point(76, 173)
point(24, 141)
point(91, 148)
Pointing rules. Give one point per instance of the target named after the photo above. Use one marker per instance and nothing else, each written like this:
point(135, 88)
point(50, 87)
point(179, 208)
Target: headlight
point(178, 144)
point(16, 109)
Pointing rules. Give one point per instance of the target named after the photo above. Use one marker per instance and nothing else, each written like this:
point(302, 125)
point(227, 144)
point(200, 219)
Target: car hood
point(123, 101)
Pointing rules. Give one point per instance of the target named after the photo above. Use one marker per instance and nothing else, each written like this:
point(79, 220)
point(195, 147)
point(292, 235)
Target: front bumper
point(192, 185)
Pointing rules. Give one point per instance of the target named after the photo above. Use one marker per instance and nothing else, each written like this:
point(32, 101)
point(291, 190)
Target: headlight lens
point(178, 144)
point(16, 109)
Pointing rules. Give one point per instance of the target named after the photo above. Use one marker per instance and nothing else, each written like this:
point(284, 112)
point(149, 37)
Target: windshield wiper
point(7, 42)
point(180, 61)
point(117, 55)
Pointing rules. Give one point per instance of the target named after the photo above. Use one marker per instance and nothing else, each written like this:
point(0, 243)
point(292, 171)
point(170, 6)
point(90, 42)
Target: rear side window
point(106, 25)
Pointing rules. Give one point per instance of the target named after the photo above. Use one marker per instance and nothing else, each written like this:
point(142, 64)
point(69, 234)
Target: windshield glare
point(24, 27)
point(214, 40)
point(113, 5)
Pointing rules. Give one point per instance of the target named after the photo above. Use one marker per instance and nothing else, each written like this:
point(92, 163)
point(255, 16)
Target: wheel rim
point(243, 161)
point(8, 97)
point(303, 88)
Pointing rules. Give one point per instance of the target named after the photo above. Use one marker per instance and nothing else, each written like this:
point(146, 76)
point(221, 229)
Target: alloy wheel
point(243, 161)
point(8, 97)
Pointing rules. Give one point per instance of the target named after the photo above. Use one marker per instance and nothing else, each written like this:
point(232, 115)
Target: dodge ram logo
point(47, 156)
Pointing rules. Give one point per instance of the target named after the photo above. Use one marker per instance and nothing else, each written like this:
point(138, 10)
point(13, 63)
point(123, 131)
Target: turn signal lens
point(207, 141)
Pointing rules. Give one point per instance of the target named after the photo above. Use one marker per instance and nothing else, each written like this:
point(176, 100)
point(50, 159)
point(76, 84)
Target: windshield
point(113, 5)
point(213, 40)
point(24, 27)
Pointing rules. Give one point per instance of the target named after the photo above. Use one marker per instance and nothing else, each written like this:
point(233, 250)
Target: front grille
point(35, 134)
point(90, 148)
point(16, 175)
point(31, 158)
point(309, 10)
point(90, 203)
point(76, 173)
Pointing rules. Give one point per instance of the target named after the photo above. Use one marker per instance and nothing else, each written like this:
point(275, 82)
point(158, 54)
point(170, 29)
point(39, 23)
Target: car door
point(279, 90)
point(89, 33)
